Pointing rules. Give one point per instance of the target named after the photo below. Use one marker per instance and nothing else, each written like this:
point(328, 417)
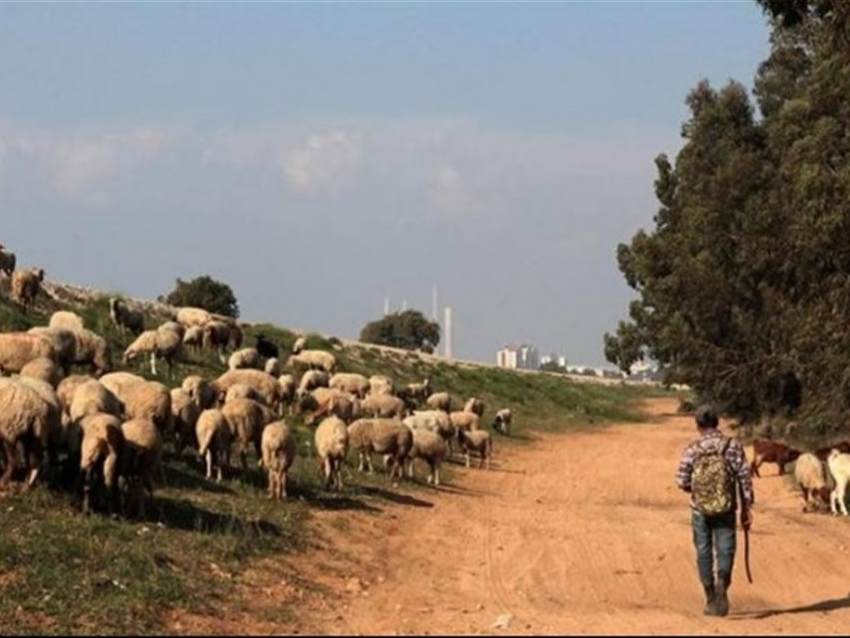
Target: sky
point(319, 157)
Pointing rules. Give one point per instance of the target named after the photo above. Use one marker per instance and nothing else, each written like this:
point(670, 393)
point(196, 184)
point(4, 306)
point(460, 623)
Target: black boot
point(722, 600)
point(710, 601)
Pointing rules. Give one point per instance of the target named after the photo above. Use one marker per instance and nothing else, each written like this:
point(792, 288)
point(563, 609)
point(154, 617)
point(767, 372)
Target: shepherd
point(713, 470)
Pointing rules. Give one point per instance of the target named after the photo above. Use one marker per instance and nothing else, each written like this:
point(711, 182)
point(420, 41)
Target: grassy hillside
point(63, 572)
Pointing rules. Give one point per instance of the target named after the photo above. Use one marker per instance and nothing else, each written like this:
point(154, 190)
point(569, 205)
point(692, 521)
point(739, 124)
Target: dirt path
point(577, 533)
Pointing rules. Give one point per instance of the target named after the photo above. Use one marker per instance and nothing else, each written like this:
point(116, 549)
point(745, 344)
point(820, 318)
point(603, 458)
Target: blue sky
point(319, 157)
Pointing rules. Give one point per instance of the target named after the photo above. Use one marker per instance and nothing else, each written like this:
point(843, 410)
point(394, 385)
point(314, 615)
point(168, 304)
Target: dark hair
point(706, 417)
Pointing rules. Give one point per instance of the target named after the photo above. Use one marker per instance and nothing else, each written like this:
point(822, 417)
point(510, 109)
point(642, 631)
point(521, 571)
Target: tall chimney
point(386, 306)
point(448, 327)
point(435, 308)
point(404, 305)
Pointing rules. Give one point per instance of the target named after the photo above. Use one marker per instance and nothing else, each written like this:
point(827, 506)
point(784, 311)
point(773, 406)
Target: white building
point(524, 357)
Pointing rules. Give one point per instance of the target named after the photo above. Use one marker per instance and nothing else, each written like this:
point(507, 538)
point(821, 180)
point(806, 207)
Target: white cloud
point(323, 161)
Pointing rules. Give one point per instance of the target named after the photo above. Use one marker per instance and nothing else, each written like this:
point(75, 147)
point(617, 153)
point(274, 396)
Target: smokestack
point(448, 327)
point(386, 306)
point(435, 308)
point(404, 305)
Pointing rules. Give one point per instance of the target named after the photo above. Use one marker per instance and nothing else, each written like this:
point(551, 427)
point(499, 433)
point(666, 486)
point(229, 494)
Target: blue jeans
point(714, 534)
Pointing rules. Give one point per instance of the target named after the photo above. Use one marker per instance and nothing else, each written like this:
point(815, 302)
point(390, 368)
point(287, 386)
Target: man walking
point(711, 469)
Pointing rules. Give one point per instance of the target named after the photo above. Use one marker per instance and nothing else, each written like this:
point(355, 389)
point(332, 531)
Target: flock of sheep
point(104, 432)
point(822, 475)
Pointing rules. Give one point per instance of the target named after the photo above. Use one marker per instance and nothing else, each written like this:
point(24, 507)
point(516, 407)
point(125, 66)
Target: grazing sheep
point(810, 474)
point(48, 394)
point(189, 317)
point(311, 380)
point(355, 384)
point(92, 350)
point(380, 385)
point(66, 390)
point(389, 437)
point(242, 391)
point(502, 422)
point(245, 359)
point(100, 451)
point(331, 442)
point(476, 441)
point(433, 420)
point(213, 436)
point(91, 398)
point(7, 261)
point(418, 392)
point(383, 406)
point(324, 402)
point(246, 420)
point(287, 391)
point(299, 345)
point(439, 401)
point(474, 405)
point(139, 460)
point(146, 400)
point(66, 320)
point(273, 367)
point(26, 418)
point(43, 369)
point(265, 385)
point(125, 318)
point(824, 452)
point(235, 336)
point(26, 285)
point(17, 349)
point(466, 421)
point(839, 468)
point(279, 452)
point(267, 348)
point(431, 448)
point(772, 452)
point(184, 414)
point(64, 344)
point(194, 339)
point(164, 342)
point(200, 390)
point(314, 360)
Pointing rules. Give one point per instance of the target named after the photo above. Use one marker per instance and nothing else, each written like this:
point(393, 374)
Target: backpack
point(712, 483)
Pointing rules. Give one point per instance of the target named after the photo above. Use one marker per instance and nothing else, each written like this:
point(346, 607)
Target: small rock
point(504, 621)
point(354, 586)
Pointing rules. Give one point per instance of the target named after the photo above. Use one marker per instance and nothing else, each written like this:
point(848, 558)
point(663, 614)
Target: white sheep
point(467, 421)
point(246, 420)
point(142, 399)
point(430, 447)
point(100, 452)
point(299, 345)
point(433, 420)
point(241, 391)
point(200, 390)
point(125, 318)
point(26, 418)
point(213, 436)
point(474, 405)
point(93, 350)
point(476, 441)
point(139, 460)
point(43, 369)
point(324, 402)
point(331, 442)
point(439, 401)
point(839, 468)
point(279, 451)
point(287, 391)
point(17, 349)
point(379, 385)
point(247, 358)
point(273, 367)
point(311, 380)
point(314, 359)
point(64, 344)
point(383, 406)
point(194, 338)
point(184, 413)
point(25, 286)
point(503, 420)
point(810, 474)
point(189, 317)
point(265, 385)
point(65, 391)
point(389, 437)
point(164, 342)
point(66, 320)
point(349, 382)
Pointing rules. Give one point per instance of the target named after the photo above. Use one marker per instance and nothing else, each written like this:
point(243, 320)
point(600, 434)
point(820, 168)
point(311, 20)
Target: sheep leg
point(842, 489)
point(754, 467)
point(369, 463)
point(468, 458)
point(282, 481)
point(208, 456)
point(11, 462)
point(436, 475)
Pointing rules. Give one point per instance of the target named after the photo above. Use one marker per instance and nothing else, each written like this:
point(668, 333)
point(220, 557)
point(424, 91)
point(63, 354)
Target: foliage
point(207, 293)
point(744, 282)
point(409, 330)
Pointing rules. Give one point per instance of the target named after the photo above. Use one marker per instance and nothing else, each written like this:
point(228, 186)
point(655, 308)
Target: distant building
point(524, 357)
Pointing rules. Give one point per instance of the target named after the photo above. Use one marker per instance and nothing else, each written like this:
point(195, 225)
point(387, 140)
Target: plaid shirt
point(734, 456)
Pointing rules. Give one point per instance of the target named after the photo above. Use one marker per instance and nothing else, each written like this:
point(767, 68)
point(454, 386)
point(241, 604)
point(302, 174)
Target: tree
point(204, 292)
point(744, 282)
point(409, 330)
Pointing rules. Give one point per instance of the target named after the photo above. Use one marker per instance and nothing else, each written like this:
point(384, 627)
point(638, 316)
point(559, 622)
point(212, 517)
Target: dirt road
point(577, 533)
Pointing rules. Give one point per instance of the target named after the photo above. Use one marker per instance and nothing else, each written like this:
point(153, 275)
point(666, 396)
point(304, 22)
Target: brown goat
point(772, 452)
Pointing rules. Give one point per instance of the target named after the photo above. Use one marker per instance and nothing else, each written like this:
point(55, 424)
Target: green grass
point(62, 572)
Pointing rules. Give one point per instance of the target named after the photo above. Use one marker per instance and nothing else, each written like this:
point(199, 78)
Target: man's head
point(706, 417)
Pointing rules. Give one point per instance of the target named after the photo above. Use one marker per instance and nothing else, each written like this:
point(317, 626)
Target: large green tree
point(744, 282)
point(207, 293)
point(409, 330)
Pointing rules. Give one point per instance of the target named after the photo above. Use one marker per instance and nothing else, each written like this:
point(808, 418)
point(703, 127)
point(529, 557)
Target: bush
point(204, 292)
